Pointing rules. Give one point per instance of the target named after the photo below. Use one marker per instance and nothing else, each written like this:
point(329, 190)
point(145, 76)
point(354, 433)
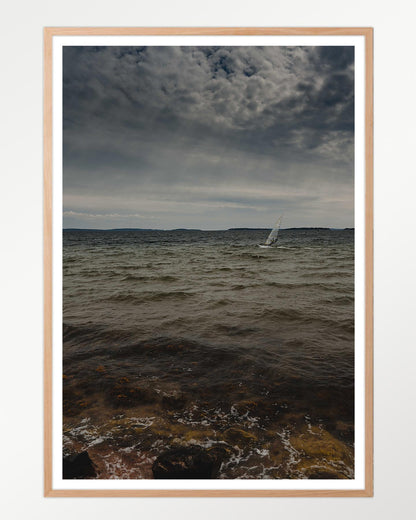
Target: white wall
point(21, 245)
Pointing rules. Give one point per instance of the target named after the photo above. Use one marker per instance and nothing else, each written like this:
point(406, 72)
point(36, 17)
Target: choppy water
point(201, 332)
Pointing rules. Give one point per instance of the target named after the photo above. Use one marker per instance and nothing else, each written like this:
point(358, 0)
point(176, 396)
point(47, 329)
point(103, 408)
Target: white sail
point(272, 238)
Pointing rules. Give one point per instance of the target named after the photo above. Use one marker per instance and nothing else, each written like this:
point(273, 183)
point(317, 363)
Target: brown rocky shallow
point(135, 425)
point(127, 445)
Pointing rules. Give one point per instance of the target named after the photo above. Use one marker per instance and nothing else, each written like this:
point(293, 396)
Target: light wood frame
point(49, 33)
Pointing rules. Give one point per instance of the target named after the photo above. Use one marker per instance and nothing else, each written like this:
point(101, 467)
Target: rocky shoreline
point(153, 442)
point(126, 416)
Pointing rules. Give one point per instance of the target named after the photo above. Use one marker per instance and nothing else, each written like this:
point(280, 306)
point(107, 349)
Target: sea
point(183, 338)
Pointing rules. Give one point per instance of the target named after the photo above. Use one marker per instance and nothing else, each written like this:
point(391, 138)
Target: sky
point(208, 137)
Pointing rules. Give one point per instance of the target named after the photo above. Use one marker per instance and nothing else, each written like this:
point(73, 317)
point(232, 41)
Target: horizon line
point(198, 229)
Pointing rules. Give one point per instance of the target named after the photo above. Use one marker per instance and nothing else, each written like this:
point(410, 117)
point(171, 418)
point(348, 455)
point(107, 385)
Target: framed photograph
point(208, 261)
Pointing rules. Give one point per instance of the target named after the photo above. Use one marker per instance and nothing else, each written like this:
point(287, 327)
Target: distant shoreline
point(210, 230)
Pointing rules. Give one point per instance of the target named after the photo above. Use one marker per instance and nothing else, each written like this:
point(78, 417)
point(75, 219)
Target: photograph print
point(208, 262)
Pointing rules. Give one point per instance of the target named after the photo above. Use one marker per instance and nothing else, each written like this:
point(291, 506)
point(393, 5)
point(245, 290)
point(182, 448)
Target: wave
point(86, 341)
point(221, 303)
point(134, 278)
point(328, 286)
point(150, 296)
point(163, 278)
point(94, 273)
point(339, 300)
point(234, 330)
point(301, 317)
point(239, 287)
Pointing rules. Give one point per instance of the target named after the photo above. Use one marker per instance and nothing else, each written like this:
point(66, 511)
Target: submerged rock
point(322, 456)
point(77, 466)
point(174, 402)
point(126, 395)
point(239, 436)
point(191, 462)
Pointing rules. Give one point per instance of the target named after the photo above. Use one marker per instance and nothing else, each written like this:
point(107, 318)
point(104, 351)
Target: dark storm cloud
point(208, 137)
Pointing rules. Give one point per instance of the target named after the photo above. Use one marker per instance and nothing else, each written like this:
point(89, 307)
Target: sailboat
point(272, 238)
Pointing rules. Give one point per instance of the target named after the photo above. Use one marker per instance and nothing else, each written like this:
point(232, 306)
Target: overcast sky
point(208, 137)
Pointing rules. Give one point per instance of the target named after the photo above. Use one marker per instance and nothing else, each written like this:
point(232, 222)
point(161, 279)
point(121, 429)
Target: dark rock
point(125, 395)
point(191, 462)
point(77, 466)
point(73, 402)
point(174, 402)
point(238, 436)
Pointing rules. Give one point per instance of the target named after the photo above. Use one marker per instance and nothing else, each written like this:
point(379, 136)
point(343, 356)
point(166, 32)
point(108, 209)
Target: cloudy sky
point(208, 137)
